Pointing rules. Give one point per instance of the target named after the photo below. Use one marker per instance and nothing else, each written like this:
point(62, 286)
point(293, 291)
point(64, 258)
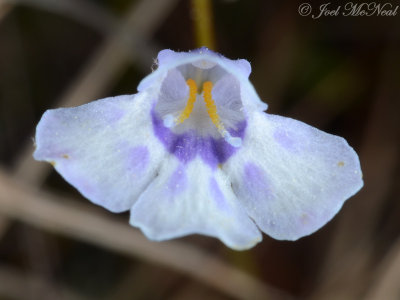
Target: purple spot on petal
point(178, 181)
point(256, 182)
point(188, 145)
point(138, 159)
point(218, 196)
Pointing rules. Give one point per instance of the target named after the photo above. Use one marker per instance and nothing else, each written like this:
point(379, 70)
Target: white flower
point(193, 152)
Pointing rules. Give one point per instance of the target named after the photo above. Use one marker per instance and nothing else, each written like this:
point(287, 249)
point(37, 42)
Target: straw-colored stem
point(203, 23)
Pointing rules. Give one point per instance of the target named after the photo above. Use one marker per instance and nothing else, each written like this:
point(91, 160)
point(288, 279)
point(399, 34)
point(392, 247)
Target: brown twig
point(59, 215)
point(4, 225)
point(122, 47)
point(349, 259)
point(386, 284)
point(5, 9)
point(26, 286)
point(41, 210)
point(85, 12)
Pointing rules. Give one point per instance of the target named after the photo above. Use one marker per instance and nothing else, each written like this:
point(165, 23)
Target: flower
point(193, 152)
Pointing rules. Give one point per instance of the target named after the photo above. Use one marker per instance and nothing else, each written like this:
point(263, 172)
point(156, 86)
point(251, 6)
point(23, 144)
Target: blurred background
point(340, 74)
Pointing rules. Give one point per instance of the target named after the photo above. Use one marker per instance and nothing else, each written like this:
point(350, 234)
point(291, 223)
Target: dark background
point(340, 74)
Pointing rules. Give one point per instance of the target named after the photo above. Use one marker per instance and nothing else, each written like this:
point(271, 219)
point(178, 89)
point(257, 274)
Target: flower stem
point(203, 23)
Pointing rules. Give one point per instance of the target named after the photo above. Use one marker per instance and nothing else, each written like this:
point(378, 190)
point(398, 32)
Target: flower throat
point(170, 121)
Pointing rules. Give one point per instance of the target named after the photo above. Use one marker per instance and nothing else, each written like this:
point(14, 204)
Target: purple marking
point(256, 182)
point(284, 139)
point(138, 159)
point(218, 196)
point(188, 145)
point(178, 181)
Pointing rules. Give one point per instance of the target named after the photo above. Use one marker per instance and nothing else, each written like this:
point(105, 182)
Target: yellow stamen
point(170, 121)
point(211, 107)
point(213, 114)
point(190, 103)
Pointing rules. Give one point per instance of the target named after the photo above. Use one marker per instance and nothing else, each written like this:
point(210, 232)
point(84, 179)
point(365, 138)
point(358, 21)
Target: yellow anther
point(213, 114)
point(190, 102)
point(170, 121)
point(211, 107)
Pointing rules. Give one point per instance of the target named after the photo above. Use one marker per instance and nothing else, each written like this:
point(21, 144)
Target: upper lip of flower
point(172, 120)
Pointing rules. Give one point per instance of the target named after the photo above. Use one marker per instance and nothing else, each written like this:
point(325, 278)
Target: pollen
point(213, 114)
point(190, 102)
point(211, 107)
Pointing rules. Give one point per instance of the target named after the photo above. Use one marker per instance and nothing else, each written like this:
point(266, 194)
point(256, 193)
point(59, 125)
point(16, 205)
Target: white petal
point(173, 94)
point(193, 198)
point(226, 94)
point(292, 178)
point(106, 148)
